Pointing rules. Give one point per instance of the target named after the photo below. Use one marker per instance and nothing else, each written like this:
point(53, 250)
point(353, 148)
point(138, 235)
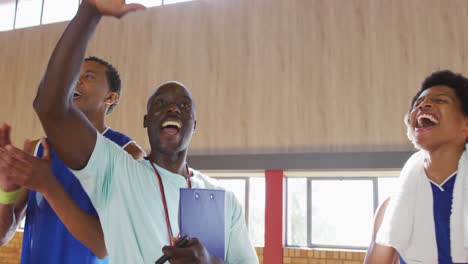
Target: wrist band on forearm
point(8, 197)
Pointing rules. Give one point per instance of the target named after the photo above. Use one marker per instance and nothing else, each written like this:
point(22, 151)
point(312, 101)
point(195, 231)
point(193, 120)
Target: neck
point(441, 163)
point(175, 163)
point(98, 121)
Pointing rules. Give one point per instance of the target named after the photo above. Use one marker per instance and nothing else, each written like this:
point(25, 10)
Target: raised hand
point(26, 170)
point(115, 8)
point(5, 135)
point(194, 252)
point(5, 139)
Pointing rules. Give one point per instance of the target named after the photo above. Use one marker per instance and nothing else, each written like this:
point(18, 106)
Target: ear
point(145, 122)
point(194, 126)
point(112, 98)
point(465, 127)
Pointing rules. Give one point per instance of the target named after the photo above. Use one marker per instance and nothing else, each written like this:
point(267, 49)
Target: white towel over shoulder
point(408, 225)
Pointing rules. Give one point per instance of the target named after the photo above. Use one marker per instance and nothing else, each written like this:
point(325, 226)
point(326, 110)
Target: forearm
point(83, 226)
point(378, 254)
point(53, 102)
point(11, 215)
point(7, 223)
point(57, 86)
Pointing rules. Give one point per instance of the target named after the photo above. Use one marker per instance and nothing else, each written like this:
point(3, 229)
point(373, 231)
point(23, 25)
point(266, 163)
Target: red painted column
point(274, 217)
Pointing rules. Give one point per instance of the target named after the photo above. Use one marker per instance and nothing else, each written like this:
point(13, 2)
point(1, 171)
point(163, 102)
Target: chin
point(170, 148)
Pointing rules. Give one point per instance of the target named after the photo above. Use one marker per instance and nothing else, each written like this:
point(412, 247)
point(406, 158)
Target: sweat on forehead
point(169, 84)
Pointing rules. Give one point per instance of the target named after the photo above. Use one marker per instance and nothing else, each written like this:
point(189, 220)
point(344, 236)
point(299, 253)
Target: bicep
point(71, 135)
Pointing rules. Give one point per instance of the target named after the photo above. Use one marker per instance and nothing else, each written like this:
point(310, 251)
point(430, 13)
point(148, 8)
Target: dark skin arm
point(60, 119)
point(23, 169)
point(9, 212)
point(53, 102)
point(376, 253)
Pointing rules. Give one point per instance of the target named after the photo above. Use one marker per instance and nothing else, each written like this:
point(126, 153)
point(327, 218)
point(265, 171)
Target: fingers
point(193, 248)
point(19, 154)
point(5, 133)
point(132, 8)
point(12, 167)
point(27, 145)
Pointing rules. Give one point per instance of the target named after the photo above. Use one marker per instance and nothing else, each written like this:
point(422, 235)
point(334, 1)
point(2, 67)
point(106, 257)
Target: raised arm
point(21, 168)
point(53, 102)
point(376, 253)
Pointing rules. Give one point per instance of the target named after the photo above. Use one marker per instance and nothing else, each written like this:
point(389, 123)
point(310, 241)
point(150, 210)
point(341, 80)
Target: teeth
point(430, 117)
point(172, 123)
point(76, 93)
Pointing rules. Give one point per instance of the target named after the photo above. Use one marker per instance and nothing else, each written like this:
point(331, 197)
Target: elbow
point(41, 107)
point(101, 253)
point(47, 110)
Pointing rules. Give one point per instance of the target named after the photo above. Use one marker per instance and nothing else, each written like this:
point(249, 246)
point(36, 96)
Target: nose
point(173, 108)
point(426, 103)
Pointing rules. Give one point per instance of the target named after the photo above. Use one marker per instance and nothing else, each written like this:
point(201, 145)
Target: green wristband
point(8, 197)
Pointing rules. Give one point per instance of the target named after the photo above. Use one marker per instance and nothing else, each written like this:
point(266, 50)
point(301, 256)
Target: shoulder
point(208, 182)
point(135, 150)
point(118, 138)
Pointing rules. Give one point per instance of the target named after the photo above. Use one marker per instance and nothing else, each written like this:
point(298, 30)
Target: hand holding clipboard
point(182, 242)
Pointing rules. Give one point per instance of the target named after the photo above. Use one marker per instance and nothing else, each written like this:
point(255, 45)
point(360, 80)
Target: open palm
point(115, 8)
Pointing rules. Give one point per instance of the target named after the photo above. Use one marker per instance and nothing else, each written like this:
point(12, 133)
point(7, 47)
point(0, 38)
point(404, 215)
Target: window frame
point(79, 2)
point(311, 176)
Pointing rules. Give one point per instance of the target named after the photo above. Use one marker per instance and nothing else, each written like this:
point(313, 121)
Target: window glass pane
point(297, 212)
point(7, 14)
point(166, 2)
point(386, 187)
point(147, 3)
point(28, 13)
point(59, 10)
point(237, 186)
point(342, 212)
point(257, 210)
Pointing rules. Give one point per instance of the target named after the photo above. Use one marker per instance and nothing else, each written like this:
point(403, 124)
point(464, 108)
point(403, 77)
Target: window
point(7, 14)
point(28, 13)
point(297, 211)
point(238, 187)
point(256, 215)
point(166, 2)
point(249, 188)
point(147, 3)
point(59, 10)
point(334, 210)
point(386, 187)
point(341, 213)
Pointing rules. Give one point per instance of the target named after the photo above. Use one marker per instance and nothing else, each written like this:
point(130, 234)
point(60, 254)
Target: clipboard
point(201, 216)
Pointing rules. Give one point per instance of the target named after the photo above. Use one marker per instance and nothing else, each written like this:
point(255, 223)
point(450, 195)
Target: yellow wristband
point(8, 197)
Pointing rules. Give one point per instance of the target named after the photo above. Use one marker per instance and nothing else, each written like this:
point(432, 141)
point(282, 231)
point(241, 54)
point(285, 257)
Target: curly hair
point(113, 78)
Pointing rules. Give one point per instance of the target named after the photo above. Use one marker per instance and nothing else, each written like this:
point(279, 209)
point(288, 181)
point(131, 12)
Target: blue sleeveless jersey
point(442, 197)
point(46, 240)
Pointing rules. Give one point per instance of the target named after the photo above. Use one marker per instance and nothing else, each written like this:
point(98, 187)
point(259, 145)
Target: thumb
point(27, 145)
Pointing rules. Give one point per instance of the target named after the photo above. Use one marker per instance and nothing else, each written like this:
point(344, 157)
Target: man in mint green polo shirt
point(137, 201)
